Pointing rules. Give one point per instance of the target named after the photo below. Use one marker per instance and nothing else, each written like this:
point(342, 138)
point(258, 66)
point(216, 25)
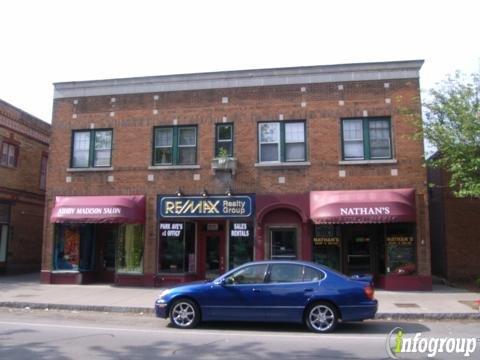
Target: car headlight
point(164, 293)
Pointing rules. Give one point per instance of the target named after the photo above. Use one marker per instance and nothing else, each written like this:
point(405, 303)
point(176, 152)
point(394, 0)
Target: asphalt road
point(39, 334)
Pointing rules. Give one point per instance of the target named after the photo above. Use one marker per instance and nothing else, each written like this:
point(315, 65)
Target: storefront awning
point(362, 206)
point(99, 209)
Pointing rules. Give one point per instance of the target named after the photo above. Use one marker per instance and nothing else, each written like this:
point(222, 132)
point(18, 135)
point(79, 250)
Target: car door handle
point(256, 290)
point(308, 290)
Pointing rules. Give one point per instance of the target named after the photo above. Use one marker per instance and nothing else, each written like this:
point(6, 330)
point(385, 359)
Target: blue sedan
point(272, 291)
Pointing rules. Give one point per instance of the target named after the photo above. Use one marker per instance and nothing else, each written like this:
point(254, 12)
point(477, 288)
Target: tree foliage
point(452, 125)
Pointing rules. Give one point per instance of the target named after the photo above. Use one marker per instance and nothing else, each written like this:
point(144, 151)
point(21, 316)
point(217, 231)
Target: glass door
point(3, 242)
point(283, 244)
point(359, 256)
point(212, 257)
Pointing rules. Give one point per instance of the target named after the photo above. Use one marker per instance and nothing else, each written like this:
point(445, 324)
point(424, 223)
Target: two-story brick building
point(168, 179)
point(24, 143)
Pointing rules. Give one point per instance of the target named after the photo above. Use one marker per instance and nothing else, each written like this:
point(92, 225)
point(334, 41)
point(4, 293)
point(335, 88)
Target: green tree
point(452, 125)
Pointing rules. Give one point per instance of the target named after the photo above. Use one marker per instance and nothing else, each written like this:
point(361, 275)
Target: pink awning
point(99, 209)
point(362, 206)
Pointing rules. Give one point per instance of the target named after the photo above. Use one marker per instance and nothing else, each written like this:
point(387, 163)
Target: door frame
point(202, 234)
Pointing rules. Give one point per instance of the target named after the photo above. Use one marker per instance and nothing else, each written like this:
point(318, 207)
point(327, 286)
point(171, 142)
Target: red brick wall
point(20, 186)
point(133, 123)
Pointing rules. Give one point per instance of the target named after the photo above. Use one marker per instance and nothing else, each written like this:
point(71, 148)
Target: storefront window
point(130, 249)
point(241, 244)
point(74, 247)
point(177, 247)
point(400, 244)
point(326, 245)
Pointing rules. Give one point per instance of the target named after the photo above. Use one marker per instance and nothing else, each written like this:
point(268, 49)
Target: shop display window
point(400, 249)
point(130, 248)
point(326, 246)
point(74, 247)
point(241, 244)
point(177, 247)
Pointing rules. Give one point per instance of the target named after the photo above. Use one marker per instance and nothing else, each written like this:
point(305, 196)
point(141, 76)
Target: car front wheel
point(321, 317)
point(184, 314)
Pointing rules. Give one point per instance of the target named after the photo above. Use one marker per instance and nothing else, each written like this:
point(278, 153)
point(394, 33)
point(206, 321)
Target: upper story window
point(9, 155)
point(224, 140)
point(366, 139)
point(91, 148)
point(175, 145)
point(43, 172)
point(282, 141)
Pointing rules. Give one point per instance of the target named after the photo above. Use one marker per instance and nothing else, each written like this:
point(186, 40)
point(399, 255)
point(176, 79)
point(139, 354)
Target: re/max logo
point(191, 207)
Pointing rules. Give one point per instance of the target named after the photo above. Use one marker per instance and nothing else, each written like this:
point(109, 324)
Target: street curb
point(96, 308)
point(428, 316)
point(147, 310)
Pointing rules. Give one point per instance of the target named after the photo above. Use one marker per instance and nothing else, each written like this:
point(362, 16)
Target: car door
point(288, 290)
point(237, 296)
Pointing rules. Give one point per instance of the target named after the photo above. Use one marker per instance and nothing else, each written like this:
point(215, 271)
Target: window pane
point(3, 242)
point(102, 158)
point(227, 147)
point(254, 274)
point(284, 244)
point(353, 150)
point(269, 132)
point(311, 274)
point(4, 154)
point(103, 140)
point(186, 155)
point(164, 137)
point(379, 132)
point(284, 273)
point(294, 132)
point(163, 155)
point(130, 249)
point(269, 152)
point(187, 136)
point(224, 132)
point(81, 147)
point(353, 130)
point(67, 248)
point(295, 152)
point(177, 247)
point(241, 244)
point(12, 155)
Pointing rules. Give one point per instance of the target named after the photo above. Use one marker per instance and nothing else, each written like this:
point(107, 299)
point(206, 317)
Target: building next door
point(105, 245)
point(212, 248)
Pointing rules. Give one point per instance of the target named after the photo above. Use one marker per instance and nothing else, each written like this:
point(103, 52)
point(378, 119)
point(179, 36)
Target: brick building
point(23, 163)
point(455, 231)
point(168, 179)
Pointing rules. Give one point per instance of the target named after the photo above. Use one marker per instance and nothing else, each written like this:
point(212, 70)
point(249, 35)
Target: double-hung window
point(281, 141)
point(366, 139)
point(175, 145)
point(9, 155)
point(224, 140)
point(91, 148)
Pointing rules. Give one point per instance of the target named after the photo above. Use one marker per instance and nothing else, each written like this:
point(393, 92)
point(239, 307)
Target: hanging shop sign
point(205, 207)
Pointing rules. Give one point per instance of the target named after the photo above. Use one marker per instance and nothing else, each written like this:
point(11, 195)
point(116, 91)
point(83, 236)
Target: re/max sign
point(214, 206)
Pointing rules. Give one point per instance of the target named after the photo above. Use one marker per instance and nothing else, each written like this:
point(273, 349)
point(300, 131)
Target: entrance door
point(359, 257)
point(3, 244)
point(212, 249)
point(283, 243)
point(106, 238)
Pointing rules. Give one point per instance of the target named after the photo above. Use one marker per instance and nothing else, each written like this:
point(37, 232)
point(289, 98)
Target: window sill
point(96, 169)
point(293, 164)
point(174, 167)
point(65, 271)
point(368, 162)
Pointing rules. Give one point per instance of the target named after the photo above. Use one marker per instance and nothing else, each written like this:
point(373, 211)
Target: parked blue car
point(276, 291)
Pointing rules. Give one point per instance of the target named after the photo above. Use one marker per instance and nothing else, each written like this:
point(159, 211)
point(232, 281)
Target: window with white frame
point(282, 141)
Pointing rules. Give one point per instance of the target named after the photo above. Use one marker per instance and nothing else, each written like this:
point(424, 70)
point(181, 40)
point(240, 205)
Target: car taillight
point(369, 292)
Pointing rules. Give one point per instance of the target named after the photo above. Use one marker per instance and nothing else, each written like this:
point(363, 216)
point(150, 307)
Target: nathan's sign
point(211, 206)
point(351, 211)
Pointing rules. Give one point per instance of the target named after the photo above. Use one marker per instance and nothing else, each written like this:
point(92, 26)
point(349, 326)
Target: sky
point(43, 42)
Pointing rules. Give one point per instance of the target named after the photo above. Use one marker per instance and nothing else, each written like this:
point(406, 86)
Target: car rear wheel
point(184, 314)
point(321, 317)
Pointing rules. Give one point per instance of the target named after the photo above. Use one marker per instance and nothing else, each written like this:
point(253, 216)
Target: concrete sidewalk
point(25, 291)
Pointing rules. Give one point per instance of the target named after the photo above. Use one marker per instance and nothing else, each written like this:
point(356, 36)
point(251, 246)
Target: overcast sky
point(43, 42)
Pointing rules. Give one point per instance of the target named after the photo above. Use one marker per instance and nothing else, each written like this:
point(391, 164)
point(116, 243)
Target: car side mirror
point(227, 281)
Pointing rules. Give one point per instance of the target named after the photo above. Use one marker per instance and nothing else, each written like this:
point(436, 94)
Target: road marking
point(338, 336)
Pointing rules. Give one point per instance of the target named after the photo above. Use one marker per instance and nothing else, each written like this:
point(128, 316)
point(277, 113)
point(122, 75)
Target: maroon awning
point(99, 209)
point(362, 206)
